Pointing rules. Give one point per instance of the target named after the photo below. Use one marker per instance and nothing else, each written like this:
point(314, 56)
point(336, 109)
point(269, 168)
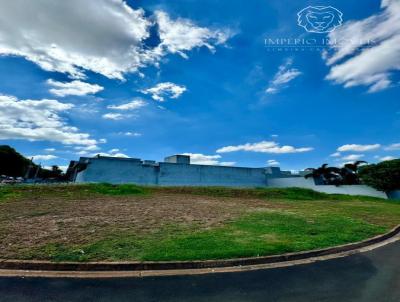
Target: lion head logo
point(319, 19)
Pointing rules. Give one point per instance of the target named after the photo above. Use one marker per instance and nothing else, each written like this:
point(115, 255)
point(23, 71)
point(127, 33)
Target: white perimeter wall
point(309, 184)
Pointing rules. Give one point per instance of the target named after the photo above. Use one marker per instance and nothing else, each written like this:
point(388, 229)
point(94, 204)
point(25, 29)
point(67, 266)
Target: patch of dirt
point(29, 223)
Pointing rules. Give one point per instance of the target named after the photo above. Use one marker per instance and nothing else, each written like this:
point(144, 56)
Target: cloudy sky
point(153, 78)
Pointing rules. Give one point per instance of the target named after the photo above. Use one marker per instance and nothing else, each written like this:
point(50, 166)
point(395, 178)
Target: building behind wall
point(176, 170)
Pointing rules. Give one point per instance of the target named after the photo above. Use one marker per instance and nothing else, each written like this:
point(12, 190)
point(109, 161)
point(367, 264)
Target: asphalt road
point(372, 276)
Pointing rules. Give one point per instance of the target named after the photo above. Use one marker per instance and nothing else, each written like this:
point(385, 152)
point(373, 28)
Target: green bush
point(384, 176)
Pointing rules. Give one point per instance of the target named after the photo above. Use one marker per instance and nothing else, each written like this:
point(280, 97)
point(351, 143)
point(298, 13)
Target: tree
point(325, 175)
point(384, 176)
point(12, 163)
point(54, 173)
point(347, 175)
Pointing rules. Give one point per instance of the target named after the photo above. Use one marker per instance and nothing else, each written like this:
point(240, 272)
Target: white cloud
point(103, 36)
point(62, 168)
point(201, 159)
point(353, 157)
point(284, 75)
point(88, 148)
point(84, 150)
point(227, 163)
point(135, 104)
point(213, 160)
point(134, 134)
point(121, 155)
point(393, 147)
point(114, 116)
point(112, 153)
point(358, 148)
point(163, 90)
point(46, 157)
point(38, 120)
point(373, 65)
point(129, 133)
point(384, 158)
point(264, 147)
point(76, 87)
point(272, 162)
point(50, 149)
point(178, 36)
point(336, 154)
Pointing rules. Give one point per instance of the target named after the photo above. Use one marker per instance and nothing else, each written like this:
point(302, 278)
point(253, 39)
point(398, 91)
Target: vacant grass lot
point(127, 222)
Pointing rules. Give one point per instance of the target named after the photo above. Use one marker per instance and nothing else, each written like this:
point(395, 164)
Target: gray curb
point(28, 265)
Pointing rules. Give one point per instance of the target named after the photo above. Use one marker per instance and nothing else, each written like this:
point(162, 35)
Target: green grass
point(124, 189)
point(8, 193)
point(270, 193)
point(82, 190)
point(300, 219)
point(257, 234)
point(70, 190)
point(262, 234)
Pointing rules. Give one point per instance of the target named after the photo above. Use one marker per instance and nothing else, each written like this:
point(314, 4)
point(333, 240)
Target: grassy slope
point(305, 220)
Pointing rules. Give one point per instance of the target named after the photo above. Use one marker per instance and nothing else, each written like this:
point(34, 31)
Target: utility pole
point(37, 172)
point(28, 172)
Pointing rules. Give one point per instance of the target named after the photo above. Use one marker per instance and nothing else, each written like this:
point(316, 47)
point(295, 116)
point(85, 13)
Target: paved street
point(372, 276)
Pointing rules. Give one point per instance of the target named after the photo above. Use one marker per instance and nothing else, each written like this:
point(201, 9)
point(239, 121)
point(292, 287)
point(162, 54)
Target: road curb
point(169, 266)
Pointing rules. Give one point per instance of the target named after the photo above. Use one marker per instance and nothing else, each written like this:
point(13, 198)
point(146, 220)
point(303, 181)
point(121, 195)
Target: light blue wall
point(118, 171)
point(199, 175)
point(168, 174)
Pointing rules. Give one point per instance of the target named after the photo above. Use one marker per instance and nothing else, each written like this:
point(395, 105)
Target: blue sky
point(150, 79)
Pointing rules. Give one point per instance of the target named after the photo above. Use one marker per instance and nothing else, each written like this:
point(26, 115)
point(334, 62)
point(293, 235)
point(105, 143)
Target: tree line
point(14, 164)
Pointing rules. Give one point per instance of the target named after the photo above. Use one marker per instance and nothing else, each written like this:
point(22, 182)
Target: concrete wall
point(130, 170)
point(169, 174)
point(199, 175)
point(310, 184)
point(118, 171)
